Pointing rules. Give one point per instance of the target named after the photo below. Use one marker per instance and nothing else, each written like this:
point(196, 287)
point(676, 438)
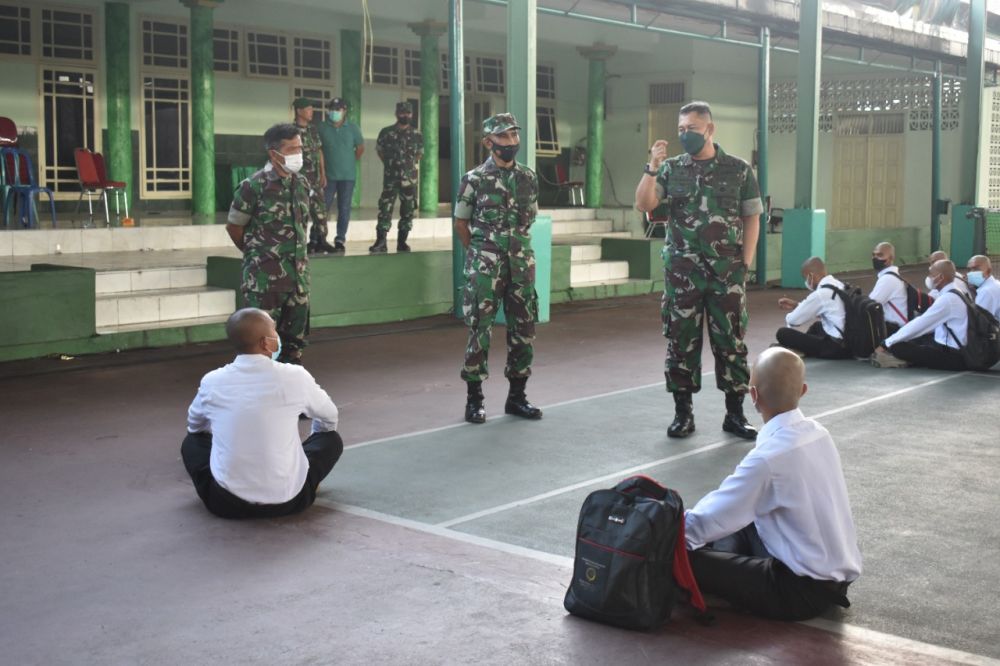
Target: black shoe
point(311, 248)
point(322, 246)
point(380, 246)
point(735, 422)
point(401, 245)
point(338, 248)
point(683, 424)
point(517, 402)
point(475, 411)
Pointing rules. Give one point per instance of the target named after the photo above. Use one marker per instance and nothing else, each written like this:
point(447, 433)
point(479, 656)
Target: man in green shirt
point(343, 146)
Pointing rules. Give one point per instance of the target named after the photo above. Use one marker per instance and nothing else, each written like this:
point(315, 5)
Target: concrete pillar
point(972, 91)
point(456, 102)
point(430, 68)
point(350, 89)
point(202, 110)
point(598, 55)
point(522, 63)
point(763, 113)
point(117, 32)
point(936, 159)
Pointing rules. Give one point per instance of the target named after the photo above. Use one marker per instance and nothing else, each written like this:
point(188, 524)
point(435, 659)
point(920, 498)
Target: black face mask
point(505, 153)
point(403, 120)
point(879, 264)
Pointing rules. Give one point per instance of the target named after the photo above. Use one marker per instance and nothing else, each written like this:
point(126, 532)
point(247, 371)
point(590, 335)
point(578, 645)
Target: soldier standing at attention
point(497, 204)
point(267, 221)
point(312, 168)
point(399, 147)
point(711, 239)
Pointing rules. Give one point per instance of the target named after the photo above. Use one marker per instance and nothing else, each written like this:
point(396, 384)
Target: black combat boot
point(475, 411)
point(321, 245)
point(735, 422)
point(683, 424)
point(311, 247)
point(401, 245)
point(379, 247)
point(517, 401)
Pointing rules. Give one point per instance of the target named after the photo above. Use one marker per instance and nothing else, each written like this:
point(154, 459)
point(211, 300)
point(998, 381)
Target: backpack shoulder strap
point(835, 290)
point(683, 573)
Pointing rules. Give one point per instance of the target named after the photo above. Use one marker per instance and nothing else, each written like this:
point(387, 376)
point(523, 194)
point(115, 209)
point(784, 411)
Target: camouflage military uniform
point(500, 205)
point(400, 148)
point(274, 212)
point(703, 267)
point(312, 149)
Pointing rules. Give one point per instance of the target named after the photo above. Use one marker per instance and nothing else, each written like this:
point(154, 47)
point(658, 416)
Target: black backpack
point(631, 558)
point(917, 301)
point(981, 350)
point(864, 324)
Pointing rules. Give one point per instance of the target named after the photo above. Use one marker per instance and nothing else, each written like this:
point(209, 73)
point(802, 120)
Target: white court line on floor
point(639, 468)
point(846, 630)
point(987, 373)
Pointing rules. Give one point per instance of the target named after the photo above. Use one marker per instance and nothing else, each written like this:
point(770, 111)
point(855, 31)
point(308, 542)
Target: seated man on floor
point(980, 276)
point(890, 287)
point(935, 338)
point(960, 283)
point(243, 449)
point(777, 538)
point(825, 338)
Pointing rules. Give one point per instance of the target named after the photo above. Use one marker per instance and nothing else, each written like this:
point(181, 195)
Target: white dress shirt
point(947, 311)
point(791, 487)
point(822, 303)
point(252, 407)
point(988, 296)
point(890, 291)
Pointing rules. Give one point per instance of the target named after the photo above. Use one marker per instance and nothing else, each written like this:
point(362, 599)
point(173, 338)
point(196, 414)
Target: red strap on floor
point(683, 573)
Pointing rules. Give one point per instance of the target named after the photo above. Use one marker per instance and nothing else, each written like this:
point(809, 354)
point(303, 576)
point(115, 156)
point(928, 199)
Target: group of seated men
point(932, 339)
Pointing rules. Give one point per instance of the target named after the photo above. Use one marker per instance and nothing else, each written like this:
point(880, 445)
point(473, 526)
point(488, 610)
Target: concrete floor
point(451, 546)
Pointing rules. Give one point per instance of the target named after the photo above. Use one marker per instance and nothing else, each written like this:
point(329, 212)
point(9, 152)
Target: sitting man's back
point(243, 450)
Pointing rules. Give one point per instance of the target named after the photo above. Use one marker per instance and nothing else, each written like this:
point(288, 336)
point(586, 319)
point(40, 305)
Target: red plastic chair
point(8, 133)
point(93, 180)
point(115, 186)
point(574, 187)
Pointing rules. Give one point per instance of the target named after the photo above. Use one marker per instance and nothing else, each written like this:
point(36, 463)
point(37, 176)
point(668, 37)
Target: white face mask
point(975, 278)
point(809, 285)
point(293, 163)
point(929, 283)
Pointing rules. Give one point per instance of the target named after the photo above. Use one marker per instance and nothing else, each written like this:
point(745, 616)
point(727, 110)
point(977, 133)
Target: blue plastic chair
point(20, 187)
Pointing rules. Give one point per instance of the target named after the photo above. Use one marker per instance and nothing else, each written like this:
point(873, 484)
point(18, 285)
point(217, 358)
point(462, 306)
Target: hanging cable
point(368, 43)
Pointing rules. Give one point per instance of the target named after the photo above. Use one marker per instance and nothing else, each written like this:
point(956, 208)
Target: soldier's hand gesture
point(657, 154)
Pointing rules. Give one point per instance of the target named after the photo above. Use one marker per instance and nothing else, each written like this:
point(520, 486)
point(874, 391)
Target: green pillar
point(522, 70)
point(430, 68)
point(597, 55)
point(763, 113)
point(350, 89)
point(456, 103)
point(117, 29)
point(202, 111)
point(936, 159)
point(972, 91)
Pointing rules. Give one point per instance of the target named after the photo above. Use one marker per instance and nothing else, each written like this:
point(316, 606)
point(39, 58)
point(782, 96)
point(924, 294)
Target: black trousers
point(926, 353)
point(815, 342)
point(322, 449)
point(740, 570)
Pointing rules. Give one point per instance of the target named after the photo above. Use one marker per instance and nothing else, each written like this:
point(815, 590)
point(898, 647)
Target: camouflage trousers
point(690, 292)
point(407, 193)
point(497, 276)
point(318, 230)
point(290, 312)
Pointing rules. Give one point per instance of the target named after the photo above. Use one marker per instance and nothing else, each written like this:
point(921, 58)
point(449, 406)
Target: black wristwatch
point(649, 172)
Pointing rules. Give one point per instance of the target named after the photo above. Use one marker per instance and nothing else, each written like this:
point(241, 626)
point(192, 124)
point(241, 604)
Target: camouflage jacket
point(274, 212)
point(312, 150)
point(400, 149)
point(498, 201)
point(706, 202)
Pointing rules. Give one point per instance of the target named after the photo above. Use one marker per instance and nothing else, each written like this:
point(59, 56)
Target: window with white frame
point(547, 137)
point(67, 124)
point(67, 34)
point(490, 75)
point(311, 58)
point(411, 68)
point(382, 65)
point(446, 73)
point(545, 82)
point(320, 95)
point(226, 50)
point(166, 149)
point(164, 44)
point(15, 30)
point(267, 54)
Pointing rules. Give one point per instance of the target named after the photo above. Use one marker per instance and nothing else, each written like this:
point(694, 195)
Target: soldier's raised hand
point(657, 154)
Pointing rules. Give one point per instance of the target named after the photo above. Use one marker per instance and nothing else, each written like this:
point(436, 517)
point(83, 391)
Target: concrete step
point(570, 227)
point(147, 279)
point(559, 214)
point(589, 272)
point(157, 325)
point(163, 305)
point(590, 252)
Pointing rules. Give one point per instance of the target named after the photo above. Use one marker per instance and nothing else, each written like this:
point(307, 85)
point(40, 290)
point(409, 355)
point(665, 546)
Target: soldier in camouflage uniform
point(711, 239)
point(399, 147)
point(267, 221)
point(312, 169)
point(497, 204)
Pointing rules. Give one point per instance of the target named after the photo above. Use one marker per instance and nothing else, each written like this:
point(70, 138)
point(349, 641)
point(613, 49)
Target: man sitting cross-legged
point(243, 449)
point(777, 538)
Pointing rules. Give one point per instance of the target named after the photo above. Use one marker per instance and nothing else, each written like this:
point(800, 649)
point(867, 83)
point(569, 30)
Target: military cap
point(337, 103)
point(500, 122)
point(404, 107)
point(303, 102)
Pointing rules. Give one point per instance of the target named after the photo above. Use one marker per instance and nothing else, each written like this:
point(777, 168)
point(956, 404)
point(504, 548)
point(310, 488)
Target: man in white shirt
point(243, 449)
point(980, 276)
point(825, 338)
point(777, 538)
point(935, 338)
point(960, 283)
point(890, 287)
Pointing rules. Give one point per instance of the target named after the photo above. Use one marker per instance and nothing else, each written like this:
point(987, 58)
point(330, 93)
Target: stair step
point(149, 279)
point(163, 305)
point(565, 227)
point(587, 272)
point(559, 214)
point(156, 325)
point(585, 253)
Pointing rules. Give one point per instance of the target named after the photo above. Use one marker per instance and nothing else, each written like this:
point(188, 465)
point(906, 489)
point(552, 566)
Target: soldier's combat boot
point(379, 247)
point(517, 401)
point(735, 422)
point(683, 424)
point(401, 245)
point(475, 411)
point(321, 245)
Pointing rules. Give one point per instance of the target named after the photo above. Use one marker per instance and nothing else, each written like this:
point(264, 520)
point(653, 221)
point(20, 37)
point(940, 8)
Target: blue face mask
point(975, 278)
point(277, 352)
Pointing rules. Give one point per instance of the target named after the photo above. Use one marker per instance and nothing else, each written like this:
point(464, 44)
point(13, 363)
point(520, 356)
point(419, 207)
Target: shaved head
point(885, 251)
point(778, 379)
point(945, 269)
point(980, 262)
point(247, 327)
point(937, 256)
point(813, 265)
